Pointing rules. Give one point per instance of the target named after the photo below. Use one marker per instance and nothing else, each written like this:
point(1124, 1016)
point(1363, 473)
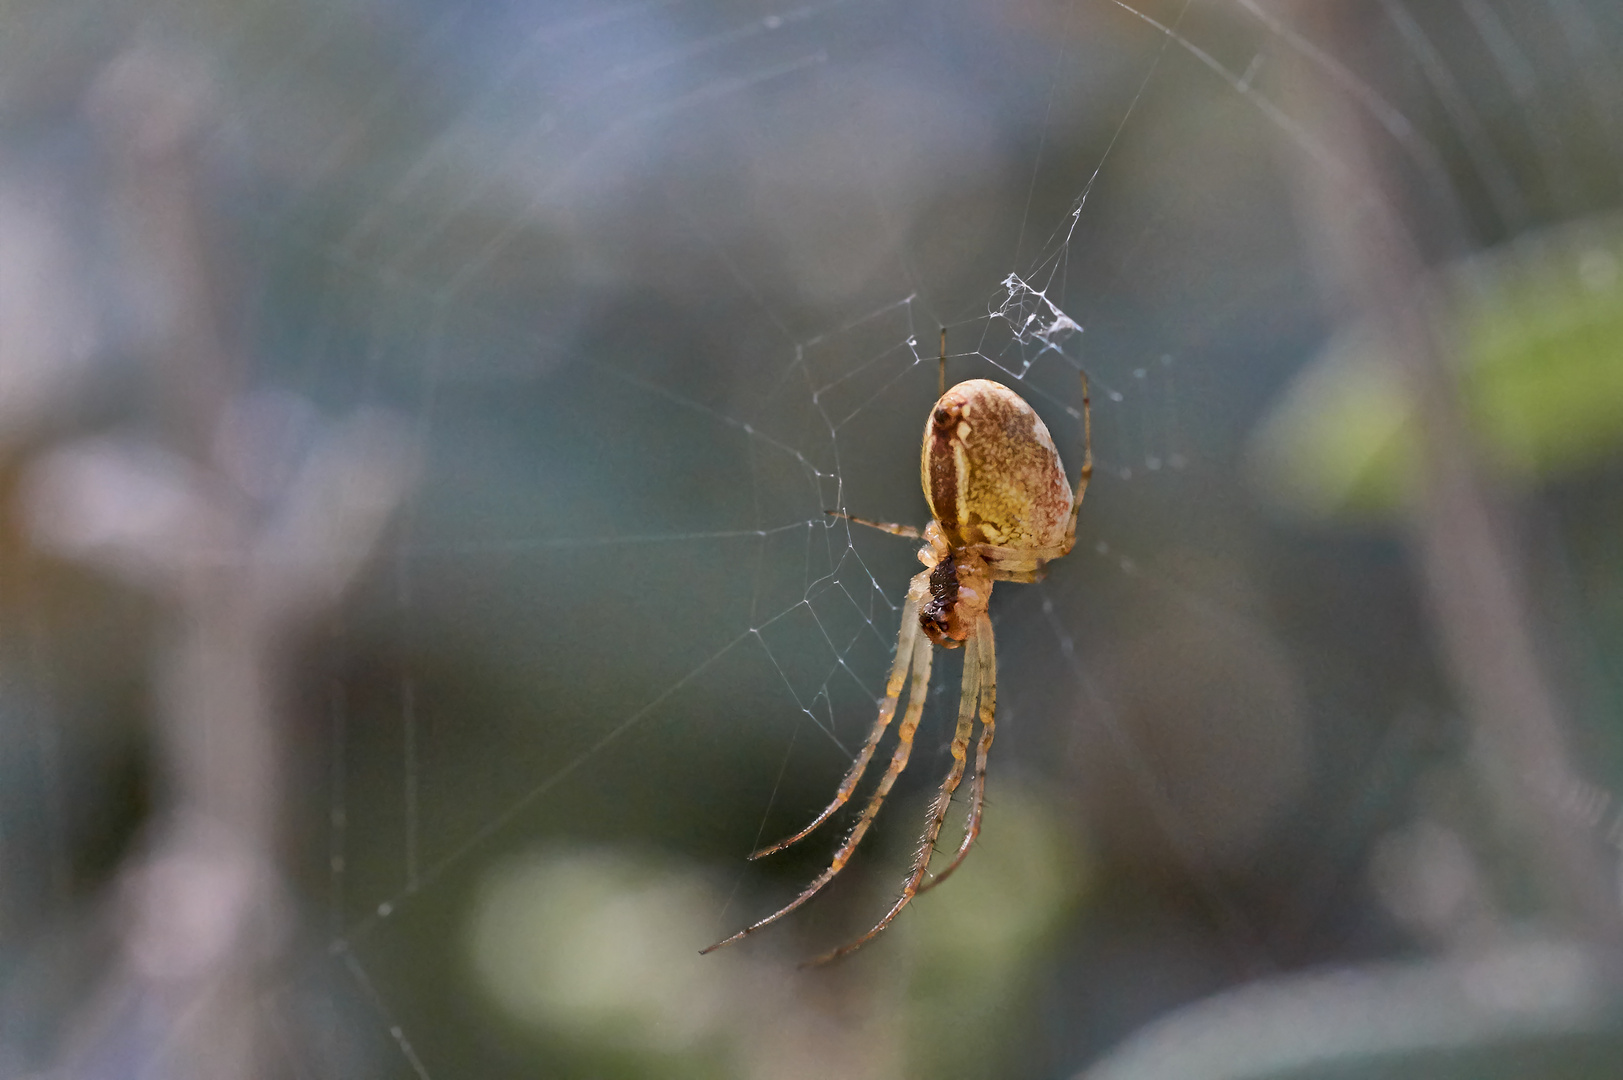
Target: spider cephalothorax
point(937, 616)
point(959, 588)
point(1002, 509)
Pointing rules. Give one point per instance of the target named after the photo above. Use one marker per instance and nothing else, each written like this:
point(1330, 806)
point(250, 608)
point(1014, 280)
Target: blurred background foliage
point(645, 288)
point(1538, 335)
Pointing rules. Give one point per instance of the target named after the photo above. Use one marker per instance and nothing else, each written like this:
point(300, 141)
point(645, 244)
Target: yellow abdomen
point(990, 470)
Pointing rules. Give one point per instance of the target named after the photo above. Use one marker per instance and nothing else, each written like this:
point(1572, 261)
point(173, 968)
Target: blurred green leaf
point(1537, 328)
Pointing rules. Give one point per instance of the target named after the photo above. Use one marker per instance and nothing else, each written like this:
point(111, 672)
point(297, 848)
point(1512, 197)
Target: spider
point(1001, 510)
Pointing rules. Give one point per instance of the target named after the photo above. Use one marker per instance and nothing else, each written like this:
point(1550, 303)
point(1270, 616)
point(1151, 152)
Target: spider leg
point(909, 531)
point(938, 810)
point(898, 761)
point(917, 589)
point(1087, 465)
point(1018, 564)
point(1020, 577)
point(977, 802)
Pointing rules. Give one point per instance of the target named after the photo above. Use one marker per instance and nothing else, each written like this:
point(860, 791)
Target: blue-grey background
point(652, 286)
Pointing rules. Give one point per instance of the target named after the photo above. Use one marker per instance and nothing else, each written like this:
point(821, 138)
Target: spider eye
point(943, 417)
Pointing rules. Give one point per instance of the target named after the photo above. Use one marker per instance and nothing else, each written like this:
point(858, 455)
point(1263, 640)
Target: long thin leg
point(917, 589)
point(1020, 577)
point(1087, 464)
point(977, 801)
point(909, 531)
point(941, 376)
point(898, 761)
point(1008, 561)
point(938, 810)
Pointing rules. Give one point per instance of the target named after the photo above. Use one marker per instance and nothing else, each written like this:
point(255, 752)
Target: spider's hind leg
point(1021, 577)
point(1086, 473)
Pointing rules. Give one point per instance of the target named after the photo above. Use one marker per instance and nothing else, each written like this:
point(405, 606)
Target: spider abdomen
point(990, 470)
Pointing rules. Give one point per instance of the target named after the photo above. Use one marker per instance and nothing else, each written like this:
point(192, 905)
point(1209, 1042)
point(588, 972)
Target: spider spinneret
point(1001, 510)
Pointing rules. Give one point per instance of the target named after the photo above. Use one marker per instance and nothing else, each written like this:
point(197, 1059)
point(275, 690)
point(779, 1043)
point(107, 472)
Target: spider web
point(753, 630)
point(656, 286)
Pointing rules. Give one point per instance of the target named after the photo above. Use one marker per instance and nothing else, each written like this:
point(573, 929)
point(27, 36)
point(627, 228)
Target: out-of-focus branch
point(242, 554)
point(1465, 557)
point(1376, 1019)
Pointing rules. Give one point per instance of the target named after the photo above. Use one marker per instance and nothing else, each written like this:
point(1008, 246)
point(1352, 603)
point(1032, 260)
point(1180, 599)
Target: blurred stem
point(218, 740)
point(244, 567)
point(1466, 560)
point(151, 110)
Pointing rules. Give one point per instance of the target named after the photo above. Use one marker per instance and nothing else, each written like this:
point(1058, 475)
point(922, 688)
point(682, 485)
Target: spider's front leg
point(916, 656)
point(988, 675)
point(968, 698)
point(905, 642)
